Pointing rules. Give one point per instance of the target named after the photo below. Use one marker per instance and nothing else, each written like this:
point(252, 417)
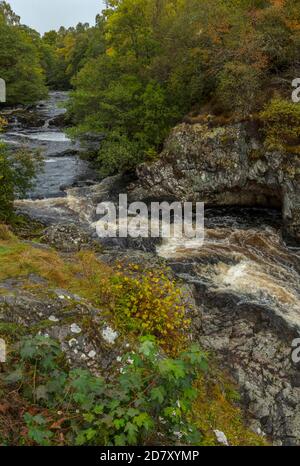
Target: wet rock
point(143, 244)
point(69, 238)
point(60, 121)
point(92, 141)
point(24, 117)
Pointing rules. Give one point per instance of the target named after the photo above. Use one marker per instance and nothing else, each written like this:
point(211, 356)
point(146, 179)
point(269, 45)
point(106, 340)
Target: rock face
point(249, 328)
point(82, 330)
point(255, 346)
point(225, 165)
point(246, 289)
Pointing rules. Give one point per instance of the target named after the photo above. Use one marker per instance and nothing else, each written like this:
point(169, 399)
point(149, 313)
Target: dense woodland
point(147, 63)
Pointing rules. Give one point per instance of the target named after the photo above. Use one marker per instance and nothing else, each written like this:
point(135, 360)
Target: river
point(62, 166)
point(247, 280)
point(243, 250)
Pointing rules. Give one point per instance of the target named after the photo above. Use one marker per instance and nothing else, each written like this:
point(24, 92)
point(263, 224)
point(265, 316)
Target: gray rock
point(75, 323)
point(69, 238)
point(225, 165)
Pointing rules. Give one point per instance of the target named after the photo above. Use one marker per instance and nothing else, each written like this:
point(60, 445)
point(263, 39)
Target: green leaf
point(119, 423)
point(158, 394)
point(80, 439)
point(89, 417)
point(147, 348)
point(120, 440)
point(15, 376)
point(132, 431)
point(40, 437)
point(90, 434)
point(144, 420)
point(98, 409)
point(172, 368)
point(131, 412)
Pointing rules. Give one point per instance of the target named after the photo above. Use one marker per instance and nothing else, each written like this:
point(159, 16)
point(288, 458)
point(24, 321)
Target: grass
point(5, 233)
point(82, 273)
point(217, 408)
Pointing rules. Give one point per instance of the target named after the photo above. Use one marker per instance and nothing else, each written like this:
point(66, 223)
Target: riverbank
point(69, 298)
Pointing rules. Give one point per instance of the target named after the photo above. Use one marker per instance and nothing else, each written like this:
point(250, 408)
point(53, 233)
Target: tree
point(160, 59)
point(20, 63)
point(17, 172)
point(9, 15)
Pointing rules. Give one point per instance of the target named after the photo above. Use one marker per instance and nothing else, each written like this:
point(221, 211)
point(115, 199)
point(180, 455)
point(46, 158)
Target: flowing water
point(243, 264)
point(243, 253)
point(63, 166)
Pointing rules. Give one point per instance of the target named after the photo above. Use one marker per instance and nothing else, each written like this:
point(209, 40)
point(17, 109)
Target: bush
point(20, 63)
point(238, 88)
point(149, 397)
point(118, 154)
point(151, 303)
point(5, 233)
point(281, 120)
point(17, 172)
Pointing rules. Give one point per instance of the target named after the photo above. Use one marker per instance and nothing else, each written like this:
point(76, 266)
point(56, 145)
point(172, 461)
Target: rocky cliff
point(224, 165)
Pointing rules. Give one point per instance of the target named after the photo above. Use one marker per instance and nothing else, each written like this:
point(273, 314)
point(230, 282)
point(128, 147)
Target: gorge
point(125, 340)
point(244, 279)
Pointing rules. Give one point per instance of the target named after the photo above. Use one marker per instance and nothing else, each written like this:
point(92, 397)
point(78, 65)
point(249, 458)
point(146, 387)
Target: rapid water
point(63, 167)
point(243, 263)
point(243, 255)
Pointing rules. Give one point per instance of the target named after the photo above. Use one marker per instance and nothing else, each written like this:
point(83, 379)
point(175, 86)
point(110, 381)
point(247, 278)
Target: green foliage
point(151, 303)
point(66, 51)
point(146, 63)
point(281, 120)
point(17, 172)
point(118, 153)
point(159, 60)
point(20, 64)
point(6, 185)
point(150, 395)
point(238, 86)
point(37, 430)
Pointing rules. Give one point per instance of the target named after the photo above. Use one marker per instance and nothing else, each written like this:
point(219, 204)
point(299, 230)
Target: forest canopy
point(147, 63)
point(158, 60)
point(20, 59)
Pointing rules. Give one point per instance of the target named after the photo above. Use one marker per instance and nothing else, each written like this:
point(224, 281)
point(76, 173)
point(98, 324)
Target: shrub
point(281, 120)
point(238, 88)
point(5, 233)
point(118, 154)
point(150, 395)
point(151, 303)
point(17, 172)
